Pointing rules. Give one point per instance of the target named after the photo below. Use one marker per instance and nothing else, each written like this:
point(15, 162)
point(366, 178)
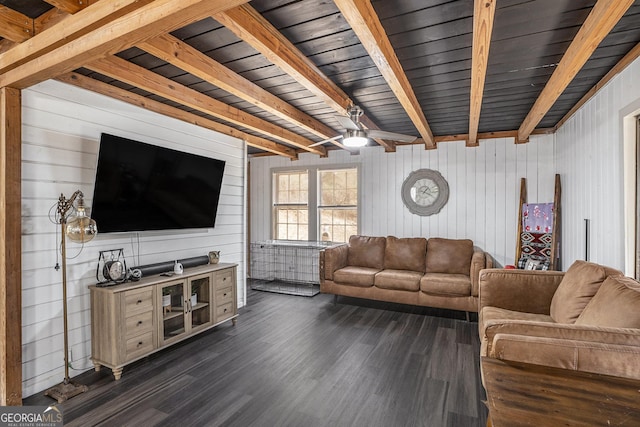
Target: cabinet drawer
point(224, 311)
point(224, 295)
point(138, 301)
point(137, 346)
point(139, 323)
point(223, 278)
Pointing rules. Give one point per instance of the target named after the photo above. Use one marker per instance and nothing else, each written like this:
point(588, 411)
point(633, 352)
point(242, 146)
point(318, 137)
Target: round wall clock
point(425, 192)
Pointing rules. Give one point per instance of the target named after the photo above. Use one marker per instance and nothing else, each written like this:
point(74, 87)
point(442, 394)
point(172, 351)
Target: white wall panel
point(484, 189)
point(61, 133)
point(589, 157)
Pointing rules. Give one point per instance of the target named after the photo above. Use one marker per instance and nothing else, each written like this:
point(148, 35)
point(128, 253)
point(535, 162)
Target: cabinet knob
point(139, 301)
point(140, 343)
point(225, 294)
point(139, 322)
point(224, 278)
point(225, 310)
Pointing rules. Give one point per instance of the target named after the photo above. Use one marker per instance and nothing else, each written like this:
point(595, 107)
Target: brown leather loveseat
point(560, 348)
point(436, 272)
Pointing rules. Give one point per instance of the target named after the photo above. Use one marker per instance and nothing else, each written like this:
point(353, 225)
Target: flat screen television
point(143, 187)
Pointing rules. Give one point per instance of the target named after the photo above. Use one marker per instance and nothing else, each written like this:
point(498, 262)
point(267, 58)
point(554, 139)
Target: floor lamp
point(78, 227)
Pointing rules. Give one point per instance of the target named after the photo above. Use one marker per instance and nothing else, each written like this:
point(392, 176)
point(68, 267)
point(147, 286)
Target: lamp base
point(66, 390)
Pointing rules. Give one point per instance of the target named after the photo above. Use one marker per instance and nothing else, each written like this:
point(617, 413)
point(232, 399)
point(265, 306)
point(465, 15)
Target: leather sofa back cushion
point(365, 251)
point(579, 284)
point(449, 256)
point(615, 305)
point(405, 254)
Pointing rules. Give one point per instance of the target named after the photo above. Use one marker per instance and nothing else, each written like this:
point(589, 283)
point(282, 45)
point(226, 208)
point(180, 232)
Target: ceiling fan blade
point(347, 123)
point(372, 133)
point(325, 140)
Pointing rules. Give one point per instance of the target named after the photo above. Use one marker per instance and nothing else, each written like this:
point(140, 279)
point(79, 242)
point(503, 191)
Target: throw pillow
point(449, 256)
point(615, 305)
point(579, 284)
point(365, 251)
point(405, 254)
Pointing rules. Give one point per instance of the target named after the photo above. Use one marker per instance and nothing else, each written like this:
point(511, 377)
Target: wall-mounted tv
point(143, 187)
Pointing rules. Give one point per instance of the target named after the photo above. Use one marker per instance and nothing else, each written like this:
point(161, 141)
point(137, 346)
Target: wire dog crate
point(286, 260)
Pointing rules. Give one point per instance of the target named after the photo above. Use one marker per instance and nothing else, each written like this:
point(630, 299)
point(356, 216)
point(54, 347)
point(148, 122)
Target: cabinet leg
point(117, 373)
point(97, 366)
point(234, 321)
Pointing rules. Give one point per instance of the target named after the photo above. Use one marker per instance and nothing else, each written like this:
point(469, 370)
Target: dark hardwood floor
point(296, 361)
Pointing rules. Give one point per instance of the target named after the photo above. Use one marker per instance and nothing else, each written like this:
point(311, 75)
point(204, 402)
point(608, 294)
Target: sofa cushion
point(355, 276)
point(449, 256)
point(458, 285)
point(365, 251)
point(579, 284)
point(405, 254)
point(615, 305)
point(398, 279)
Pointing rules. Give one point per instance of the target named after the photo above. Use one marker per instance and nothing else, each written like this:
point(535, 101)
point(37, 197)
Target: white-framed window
point(316, 203)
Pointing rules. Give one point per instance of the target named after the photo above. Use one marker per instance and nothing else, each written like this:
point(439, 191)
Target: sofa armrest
point(528, 291)
point(333, 258)
point(619, 360)
point(478, 262)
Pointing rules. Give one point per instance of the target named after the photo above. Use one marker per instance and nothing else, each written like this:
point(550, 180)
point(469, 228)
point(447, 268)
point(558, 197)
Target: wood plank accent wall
point(10, 247)
point(483, 181)
point(61, 131)
point(589, 157)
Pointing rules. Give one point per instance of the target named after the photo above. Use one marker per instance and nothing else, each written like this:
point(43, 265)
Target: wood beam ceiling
point(603, 17)
point(142, 78)
point(70, 6)
point(185, 57)
point(160, 16)
point(247, 24)
point(483, 14)
point(365, 23)
point(14, 25)
point(167, 110)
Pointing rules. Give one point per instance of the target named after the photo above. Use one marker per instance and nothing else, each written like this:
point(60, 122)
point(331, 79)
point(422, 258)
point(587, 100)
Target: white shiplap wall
point(61, 131)
point(589, 157)
point(484, 189)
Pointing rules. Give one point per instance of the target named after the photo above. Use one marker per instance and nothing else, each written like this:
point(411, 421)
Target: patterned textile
point(536, 251)
point(537, 217)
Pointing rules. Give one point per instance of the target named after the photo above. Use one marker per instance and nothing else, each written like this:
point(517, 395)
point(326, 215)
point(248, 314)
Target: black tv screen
point(145, 187)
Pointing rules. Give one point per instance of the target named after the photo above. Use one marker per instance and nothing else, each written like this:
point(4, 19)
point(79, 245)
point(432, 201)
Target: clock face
point(114, 270)
point(425, 192)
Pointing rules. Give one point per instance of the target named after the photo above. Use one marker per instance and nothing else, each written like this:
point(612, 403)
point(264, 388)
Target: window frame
point(314, 195)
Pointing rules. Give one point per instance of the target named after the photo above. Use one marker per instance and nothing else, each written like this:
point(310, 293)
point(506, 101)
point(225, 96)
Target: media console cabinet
point(132, 320)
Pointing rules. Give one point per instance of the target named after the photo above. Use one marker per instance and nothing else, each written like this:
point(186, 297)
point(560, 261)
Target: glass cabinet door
point(173, 310)
point(200, 301)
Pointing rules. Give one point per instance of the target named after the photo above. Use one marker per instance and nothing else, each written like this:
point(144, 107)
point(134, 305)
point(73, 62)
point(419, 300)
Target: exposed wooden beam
point(250, 26)
point(14, 25)
point(6, 44)
point(49, 19)
point(246, 23)
point(157, 17)
point(631, 56)
point(73, 28)
point(167, 110)
point(70, 6)
point(601, 20)
point(142, 78)
point(484, 11)
point(185, 57)
point(365, 23)
point(10, 247)
point(483, 135)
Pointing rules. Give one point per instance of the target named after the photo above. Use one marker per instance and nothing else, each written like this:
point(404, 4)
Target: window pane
point(292, 223)
point(338, 224)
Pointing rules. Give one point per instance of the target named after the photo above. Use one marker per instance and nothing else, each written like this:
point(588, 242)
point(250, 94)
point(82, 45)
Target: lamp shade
point(355, 138)
point(81, 228)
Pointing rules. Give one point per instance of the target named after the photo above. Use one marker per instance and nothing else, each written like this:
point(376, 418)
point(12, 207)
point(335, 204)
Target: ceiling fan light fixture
point(355, 138)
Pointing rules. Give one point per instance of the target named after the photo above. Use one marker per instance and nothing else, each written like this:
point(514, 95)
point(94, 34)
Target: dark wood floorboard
point(296, 361)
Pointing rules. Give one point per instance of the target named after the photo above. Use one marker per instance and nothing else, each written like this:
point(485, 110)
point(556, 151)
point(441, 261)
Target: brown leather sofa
point(560, 348)
point(436, 272)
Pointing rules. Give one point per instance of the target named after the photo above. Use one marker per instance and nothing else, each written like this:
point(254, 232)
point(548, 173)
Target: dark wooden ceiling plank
point(602, 18)
point(364, 21)
point(111, 37)
point(194, 62)
point(133, 74)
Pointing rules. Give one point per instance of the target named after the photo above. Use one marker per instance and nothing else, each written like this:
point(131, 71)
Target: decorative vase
point(166, 303)
point(214, 257)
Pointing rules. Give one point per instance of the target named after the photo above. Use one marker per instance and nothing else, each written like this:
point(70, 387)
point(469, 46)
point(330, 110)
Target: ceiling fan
point(355, 135)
